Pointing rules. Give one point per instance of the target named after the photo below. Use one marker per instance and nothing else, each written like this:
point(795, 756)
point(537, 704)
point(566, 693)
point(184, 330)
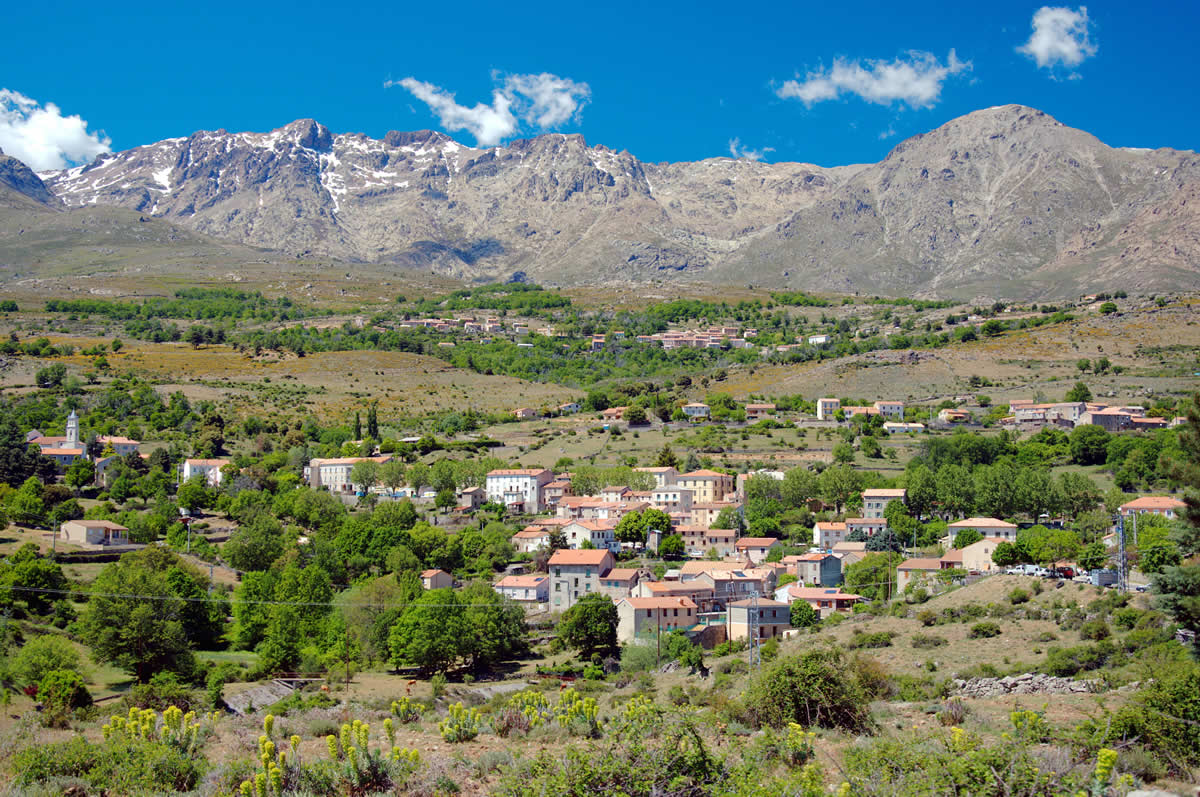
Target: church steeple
point(72, 430)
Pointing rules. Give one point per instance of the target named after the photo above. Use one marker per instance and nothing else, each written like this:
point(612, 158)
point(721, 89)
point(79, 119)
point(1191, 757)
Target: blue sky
point(830, 83)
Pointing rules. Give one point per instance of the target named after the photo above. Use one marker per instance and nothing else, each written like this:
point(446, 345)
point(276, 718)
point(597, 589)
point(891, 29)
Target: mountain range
point(1004, 202)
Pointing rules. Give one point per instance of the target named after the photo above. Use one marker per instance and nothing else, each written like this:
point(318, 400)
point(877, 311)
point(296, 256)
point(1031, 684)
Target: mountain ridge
point(1005, 201)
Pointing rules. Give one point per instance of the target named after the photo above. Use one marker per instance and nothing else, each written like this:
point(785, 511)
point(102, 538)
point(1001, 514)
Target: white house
point(526, 589)
point(519, 488)
point(335, 473)
point(826, 534)
point(827, 408)
point(210, 469)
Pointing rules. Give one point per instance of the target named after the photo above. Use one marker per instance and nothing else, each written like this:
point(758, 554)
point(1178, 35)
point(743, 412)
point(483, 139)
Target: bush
point(113, 766)
point(63, 690)
point(925, 641)
point(812, 688)
point(42, 654)
point(864, 639)
point(983, 631)
point(1095, 630)
point(1127, 617)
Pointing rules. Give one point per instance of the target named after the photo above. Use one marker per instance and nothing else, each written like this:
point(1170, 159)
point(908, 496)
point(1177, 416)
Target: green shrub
point(63, 690)
point(1095, 630)
point(42, 654)
point(983, 631)
point(1126, 617)
point(864, 639)
point(812, 688)
point(924, 641)
point(114, 766)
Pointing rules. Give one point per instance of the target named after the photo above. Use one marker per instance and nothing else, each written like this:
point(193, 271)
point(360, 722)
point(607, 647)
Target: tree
point(657, 520)
point(839, 484)
point(1078, 393)
point(430, 634)
point(804, 615)
point(967, 537)
point(631, 529)
point(255, 545)
point(51, 376)
point(799, 486)
point(365, 474)
point(921, 490)
point(956, 490)
point(1005, 555)
point(885, 540)
point(874, 576)
point(80, 474)
point(373, 420)
point(391, 474)
point(496, 626)
point(671, 547)
point(590, 626)
point(1089, 444)
point(1094, 556)
point(843, 454)
point(143, 634)
point(666, 458)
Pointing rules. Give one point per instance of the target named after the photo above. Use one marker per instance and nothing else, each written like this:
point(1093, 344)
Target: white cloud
point(740, 152)
point(915, 80)
point(488, 123)
point(1060, 36)
point(546, 100)
point(42, 137)
point(542, 102)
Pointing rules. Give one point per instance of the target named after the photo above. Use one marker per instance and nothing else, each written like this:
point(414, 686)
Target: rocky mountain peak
point(308, 133)
point(991, 202)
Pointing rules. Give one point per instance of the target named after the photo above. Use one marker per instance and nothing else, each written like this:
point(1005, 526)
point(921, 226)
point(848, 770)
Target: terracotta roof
point(809, 593)
point(565, 556)
point(920, 564)
point(99, 524)
point(985, 522)
point(521, 581)
point(531, 534)
point(1153, 502)
point(756, 542)
point(621, 574)
point(659, 603)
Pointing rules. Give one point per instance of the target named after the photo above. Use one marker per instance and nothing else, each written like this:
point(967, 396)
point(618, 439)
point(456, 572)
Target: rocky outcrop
point(1024, 684)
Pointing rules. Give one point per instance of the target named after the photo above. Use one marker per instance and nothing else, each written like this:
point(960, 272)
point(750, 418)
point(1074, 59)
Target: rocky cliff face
point(19, 185)
point(1005, 201)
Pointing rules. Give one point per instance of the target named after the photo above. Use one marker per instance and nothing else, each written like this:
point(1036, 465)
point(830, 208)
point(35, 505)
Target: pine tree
point(373, 421)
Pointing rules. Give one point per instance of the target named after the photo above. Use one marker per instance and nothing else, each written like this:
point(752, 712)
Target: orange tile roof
point(1154, 502)
point(565, 556)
